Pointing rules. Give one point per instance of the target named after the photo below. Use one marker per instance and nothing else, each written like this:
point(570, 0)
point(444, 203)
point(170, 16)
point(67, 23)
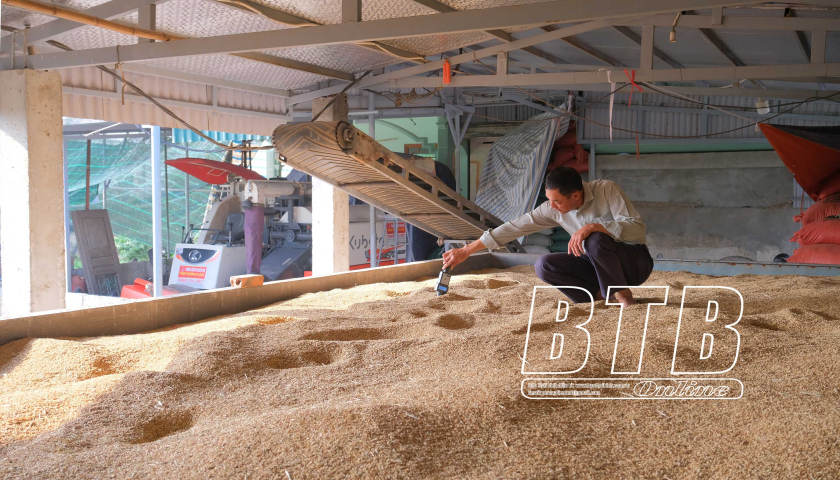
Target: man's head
point(564, 189)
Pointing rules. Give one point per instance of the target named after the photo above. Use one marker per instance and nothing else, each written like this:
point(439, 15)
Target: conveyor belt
point(340, 154)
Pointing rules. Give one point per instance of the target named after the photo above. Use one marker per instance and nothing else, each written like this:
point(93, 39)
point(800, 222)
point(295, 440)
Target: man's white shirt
point(604, 203)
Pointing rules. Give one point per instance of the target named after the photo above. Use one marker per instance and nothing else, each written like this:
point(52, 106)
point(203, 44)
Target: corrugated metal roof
point(202, 18)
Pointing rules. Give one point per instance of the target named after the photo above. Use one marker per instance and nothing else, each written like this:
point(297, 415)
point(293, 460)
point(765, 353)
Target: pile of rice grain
point(389, 380)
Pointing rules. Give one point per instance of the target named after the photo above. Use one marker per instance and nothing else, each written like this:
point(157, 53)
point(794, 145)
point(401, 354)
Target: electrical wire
point(683, 97)
point(730, 107)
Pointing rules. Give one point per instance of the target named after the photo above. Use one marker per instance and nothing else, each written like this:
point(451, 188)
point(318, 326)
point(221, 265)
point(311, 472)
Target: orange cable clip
point(447, 72)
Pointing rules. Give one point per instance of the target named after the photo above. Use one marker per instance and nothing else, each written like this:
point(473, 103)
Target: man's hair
point(566, 180)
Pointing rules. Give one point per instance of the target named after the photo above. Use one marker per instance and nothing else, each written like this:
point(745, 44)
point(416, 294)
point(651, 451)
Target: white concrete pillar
point(31, 192)
point(330, 207)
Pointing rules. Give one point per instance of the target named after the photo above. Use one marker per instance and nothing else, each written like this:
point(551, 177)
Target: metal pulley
point(344, 133)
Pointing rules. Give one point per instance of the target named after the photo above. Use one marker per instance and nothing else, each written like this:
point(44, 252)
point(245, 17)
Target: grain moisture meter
point(443, 282)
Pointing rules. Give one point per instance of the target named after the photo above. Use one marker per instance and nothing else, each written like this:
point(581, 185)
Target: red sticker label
point(194, 274)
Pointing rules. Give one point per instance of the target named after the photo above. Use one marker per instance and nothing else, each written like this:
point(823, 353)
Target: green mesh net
point(121, 180)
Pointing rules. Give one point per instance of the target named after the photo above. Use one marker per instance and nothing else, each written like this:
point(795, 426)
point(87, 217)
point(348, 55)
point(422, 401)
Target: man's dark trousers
point(606, 263)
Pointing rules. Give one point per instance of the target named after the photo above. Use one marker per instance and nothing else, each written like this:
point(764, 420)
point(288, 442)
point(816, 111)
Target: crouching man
point(608, 238)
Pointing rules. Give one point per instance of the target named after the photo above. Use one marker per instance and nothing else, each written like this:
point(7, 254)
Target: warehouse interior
point(325, 154)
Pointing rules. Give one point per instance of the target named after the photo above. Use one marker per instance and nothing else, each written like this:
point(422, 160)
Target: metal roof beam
point(528, 103)
point(585, 48)
point(814, 79)
point(799, 38)
point(354, 32)
point(646, 60)
point(204, 80)
point(656, 52)
point(638, 41)
point(767, 72)
point(721, 47)
point(721, 92)
point(147, 20)
point(818, 46)
point(354, 11)
point(267, 12)
point(295, 65)
point(817, 52)
point(351, 11)
point(742, 23)
point(549, 66)
point(499, 34)
point(593, 52)
point(458, 59)
point(108, 11)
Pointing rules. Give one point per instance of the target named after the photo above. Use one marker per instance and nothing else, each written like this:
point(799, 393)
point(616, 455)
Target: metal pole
point(456, 157)
point(374, 261)
point(87, 179)
point(105, 194)
point(187, 193)
point(68, 254)
point(166, 179)
point(157, 233)
point(396, 241)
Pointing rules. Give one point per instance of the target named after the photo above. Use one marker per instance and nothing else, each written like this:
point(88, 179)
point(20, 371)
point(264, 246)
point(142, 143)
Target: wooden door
point(100, 260)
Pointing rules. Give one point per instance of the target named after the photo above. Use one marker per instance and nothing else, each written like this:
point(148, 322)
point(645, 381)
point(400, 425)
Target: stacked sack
point(550, 240)
point(560, 240)
point(567, 152)
point(538, 243)
point(819, 236)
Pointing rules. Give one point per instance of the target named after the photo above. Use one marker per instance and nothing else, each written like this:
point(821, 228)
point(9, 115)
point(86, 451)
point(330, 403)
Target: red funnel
point(811, 153)
point(211, 171)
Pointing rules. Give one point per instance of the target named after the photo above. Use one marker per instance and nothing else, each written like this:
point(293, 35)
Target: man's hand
point(454, 257)
point(576, 243)
point(458, 255)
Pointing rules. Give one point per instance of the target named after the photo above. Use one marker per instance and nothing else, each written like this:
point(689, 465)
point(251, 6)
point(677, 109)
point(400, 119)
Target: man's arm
point(538, 219)
point(532, 222)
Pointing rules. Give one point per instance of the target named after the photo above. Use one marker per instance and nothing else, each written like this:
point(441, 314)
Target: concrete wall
point(709, 205)
point(75, 301)
point(134, 270)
